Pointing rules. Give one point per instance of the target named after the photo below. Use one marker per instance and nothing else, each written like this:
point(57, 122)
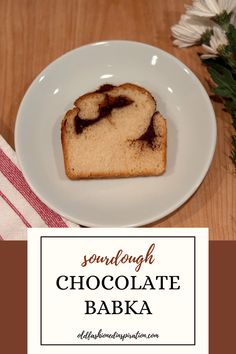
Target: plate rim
point(184, 198)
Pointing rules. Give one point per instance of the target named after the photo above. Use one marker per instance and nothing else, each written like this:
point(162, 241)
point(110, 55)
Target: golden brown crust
point(124, 86)
point(65, 152)
point(164, 148)
point(71, 113)
point(112, 175)
point(86, 95)
point(163, 141)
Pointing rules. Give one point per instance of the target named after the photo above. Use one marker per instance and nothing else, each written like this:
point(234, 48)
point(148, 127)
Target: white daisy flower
point(189, 30)
point(217, 42)
point(210, 8)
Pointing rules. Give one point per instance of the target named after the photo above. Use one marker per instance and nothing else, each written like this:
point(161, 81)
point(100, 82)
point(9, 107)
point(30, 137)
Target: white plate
point(116, 202)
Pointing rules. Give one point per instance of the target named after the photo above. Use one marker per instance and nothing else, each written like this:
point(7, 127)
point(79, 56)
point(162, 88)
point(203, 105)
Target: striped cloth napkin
point(20, 208)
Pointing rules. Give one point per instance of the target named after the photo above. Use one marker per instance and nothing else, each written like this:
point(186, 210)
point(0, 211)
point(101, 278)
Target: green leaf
point(223, 61)
point(223, 92)
point(214, 63)
point(231, 105)
point(222, 74)
point(233, 152)
point(222, 71)
point(224, 79)
point(231, 35)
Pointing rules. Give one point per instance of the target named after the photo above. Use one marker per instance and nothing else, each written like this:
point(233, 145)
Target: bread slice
point(114, 132)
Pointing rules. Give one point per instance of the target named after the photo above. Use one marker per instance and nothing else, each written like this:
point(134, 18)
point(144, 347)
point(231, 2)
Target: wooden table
point(35, 32)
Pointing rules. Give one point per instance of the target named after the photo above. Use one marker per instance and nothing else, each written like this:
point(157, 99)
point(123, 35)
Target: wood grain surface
point(35, 32)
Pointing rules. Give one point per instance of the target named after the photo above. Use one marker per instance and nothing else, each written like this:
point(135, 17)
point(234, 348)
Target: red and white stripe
point(19, 206)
